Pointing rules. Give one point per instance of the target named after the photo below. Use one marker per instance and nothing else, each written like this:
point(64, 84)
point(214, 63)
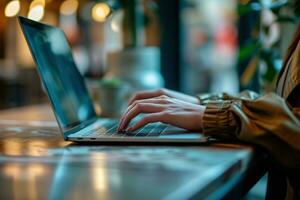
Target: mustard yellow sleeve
point(266, 121)
point(218, 121)
point(271, 123)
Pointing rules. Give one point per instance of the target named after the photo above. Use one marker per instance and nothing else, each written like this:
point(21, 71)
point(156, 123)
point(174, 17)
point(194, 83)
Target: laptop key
point(153, 134)
point(106, 130)
point(157, 130)
point(98, 133)
point(142, 134)
point(172, 130)
point(145, 130)
point(113, 130)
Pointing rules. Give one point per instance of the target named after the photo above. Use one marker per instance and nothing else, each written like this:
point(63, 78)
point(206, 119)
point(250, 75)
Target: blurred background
point(191, 46)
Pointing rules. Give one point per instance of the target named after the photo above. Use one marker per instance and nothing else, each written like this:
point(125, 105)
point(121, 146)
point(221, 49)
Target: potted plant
point(263, 47)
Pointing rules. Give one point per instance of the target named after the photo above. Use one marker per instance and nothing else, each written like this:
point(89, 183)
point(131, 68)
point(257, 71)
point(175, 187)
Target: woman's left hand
point(166, 110)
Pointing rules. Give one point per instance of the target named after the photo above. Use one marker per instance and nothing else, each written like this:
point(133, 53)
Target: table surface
point(36, 163)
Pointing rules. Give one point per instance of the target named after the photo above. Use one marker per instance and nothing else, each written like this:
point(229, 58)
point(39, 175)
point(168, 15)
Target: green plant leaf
point(286, 19)
point(247, 51)
point(257, 7)
point(277, 5)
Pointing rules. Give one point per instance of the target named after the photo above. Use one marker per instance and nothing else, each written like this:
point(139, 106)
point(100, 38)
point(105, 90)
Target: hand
point(159, 92)
point(166, 110)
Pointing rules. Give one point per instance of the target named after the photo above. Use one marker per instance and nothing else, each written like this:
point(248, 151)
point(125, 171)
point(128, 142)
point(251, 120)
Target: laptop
point(70, 101)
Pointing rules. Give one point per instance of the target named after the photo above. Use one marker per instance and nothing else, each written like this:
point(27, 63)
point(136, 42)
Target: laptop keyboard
point(109, 129)
point(150, 130)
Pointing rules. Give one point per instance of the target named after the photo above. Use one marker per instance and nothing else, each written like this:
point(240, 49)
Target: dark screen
point(63, 82)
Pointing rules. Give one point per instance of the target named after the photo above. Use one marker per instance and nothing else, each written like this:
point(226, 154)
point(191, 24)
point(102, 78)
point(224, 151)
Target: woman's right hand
point(160, 92)
point(166, 110)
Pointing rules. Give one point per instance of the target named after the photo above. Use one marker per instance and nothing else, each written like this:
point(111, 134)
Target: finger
point(137, 109)
point(150, 118)
point(140, 108)
point(157, 100)
point(145, 95)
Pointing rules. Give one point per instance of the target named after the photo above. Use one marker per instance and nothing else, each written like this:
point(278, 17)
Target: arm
point(173, 108)
point(267, 121)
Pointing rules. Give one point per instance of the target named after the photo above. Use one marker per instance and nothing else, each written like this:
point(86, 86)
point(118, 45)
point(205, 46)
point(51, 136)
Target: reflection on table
point(36, 163)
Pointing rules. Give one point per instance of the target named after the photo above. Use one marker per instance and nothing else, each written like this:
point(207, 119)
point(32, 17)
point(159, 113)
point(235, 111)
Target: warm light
point(37, 10)
point(36, 13)
point(116, 21)
point(12, 8)
point(35, 3)
point(69, 7)
point(12, 170)
point(33, 150)
point(100, 11)
point(12, 148)
point(114, 26)
point(35, 170)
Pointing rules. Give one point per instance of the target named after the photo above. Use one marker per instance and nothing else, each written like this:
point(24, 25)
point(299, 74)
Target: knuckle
point(167, 101)
point(139, 106)
point(163, 96)
point(136, 102)
point(164, 101)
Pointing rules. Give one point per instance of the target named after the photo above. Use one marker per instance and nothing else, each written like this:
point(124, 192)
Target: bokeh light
point(36, 13)
point(69, 7)
point(100, 12)
point(12, 8)
point(35, 3)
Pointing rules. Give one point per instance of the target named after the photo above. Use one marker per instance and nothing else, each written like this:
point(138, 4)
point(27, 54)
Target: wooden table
point(36, 163)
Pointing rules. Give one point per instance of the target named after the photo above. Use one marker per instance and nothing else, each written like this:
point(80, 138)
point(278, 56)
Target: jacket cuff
point(204, 99)
point(219, 121)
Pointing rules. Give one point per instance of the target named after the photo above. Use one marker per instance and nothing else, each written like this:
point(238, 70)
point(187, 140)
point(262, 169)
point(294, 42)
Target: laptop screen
point(64, 84)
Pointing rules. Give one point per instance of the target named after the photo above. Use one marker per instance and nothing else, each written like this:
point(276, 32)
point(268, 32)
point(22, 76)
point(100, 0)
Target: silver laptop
point(71, 103)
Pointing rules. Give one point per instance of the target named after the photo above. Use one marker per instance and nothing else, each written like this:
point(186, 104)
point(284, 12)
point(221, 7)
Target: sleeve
point(267, 121)
point(205, 98)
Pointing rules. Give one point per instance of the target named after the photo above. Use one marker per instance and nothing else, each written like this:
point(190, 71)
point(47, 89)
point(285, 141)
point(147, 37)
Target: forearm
point(267, 121)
